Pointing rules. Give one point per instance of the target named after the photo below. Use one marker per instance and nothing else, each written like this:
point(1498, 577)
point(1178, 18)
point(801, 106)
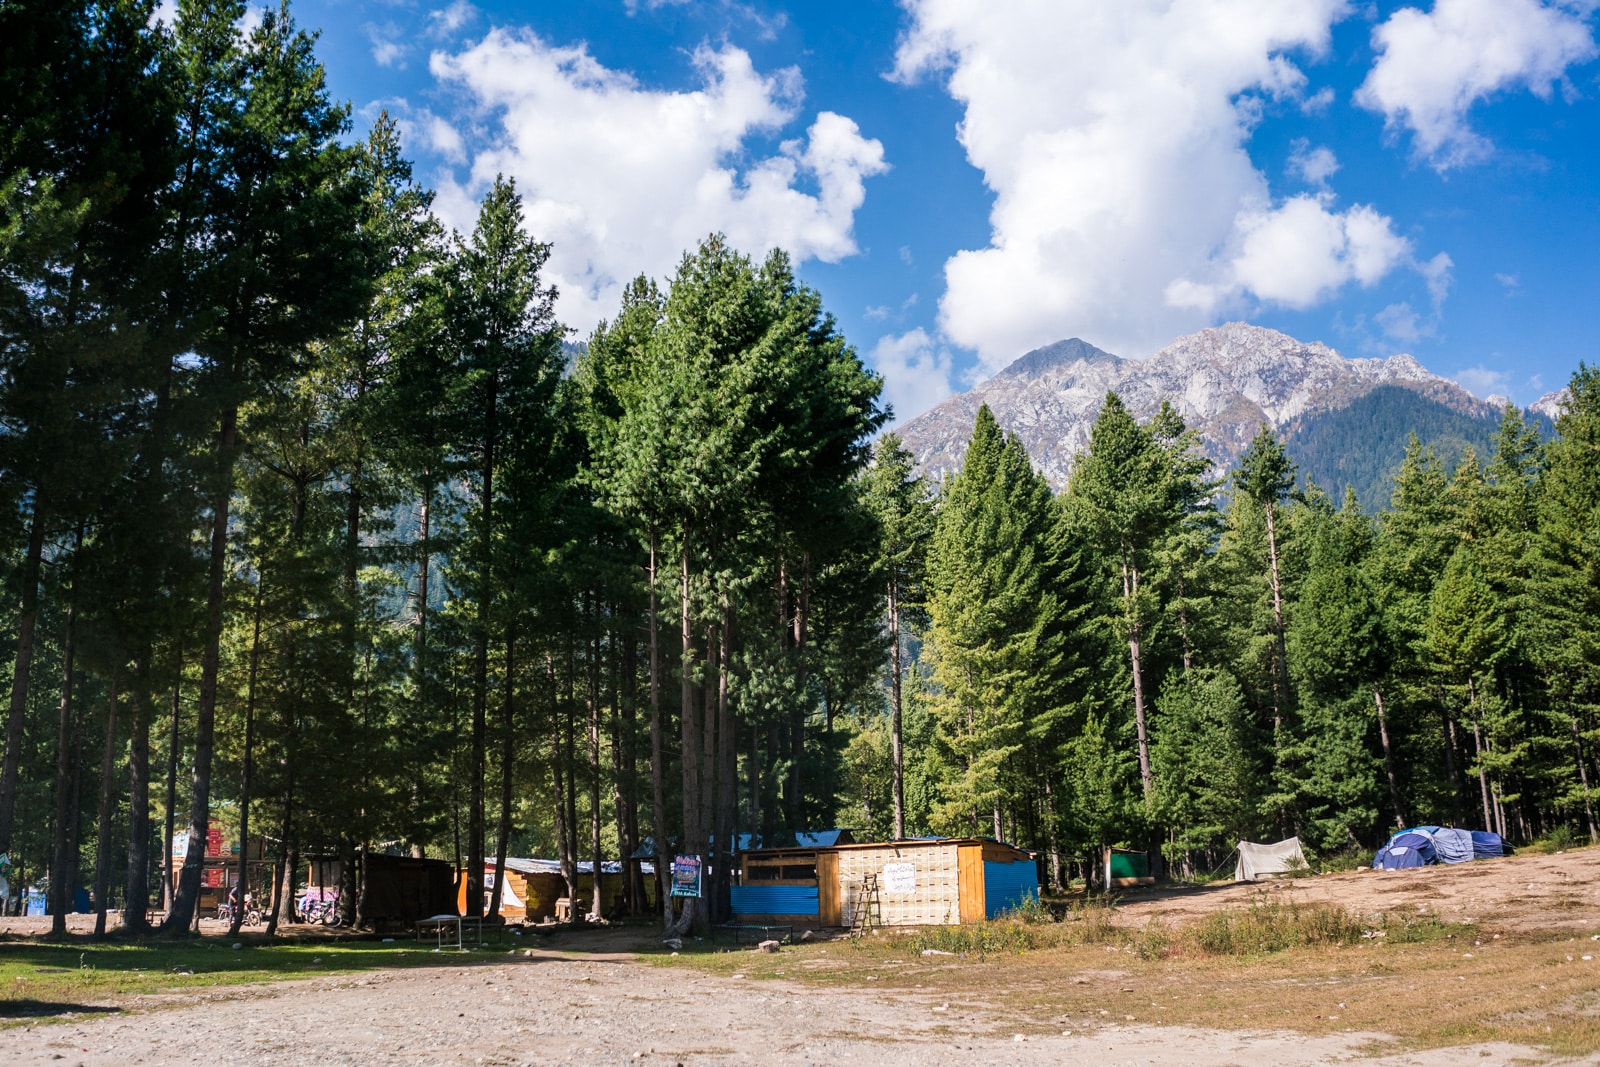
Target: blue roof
point(752, 842)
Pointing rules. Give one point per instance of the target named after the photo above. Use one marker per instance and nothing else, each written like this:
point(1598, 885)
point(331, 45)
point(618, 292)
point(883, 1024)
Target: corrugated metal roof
point(523, 865)
point(748, 842)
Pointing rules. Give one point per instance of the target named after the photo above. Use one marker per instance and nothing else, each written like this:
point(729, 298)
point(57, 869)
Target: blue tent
point(1453, 846)
point(1405, 850)
point(1486, 845)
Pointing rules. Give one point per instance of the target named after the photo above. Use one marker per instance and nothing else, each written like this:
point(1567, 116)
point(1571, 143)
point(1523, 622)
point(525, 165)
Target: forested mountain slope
point(1362, 444)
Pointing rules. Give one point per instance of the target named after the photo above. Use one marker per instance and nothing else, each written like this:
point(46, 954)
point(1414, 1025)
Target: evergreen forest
point(318, 526)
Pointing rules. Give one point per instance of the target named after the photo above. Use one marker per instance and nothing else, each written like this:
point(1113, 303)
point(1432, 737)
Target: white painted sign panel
point(900, 879)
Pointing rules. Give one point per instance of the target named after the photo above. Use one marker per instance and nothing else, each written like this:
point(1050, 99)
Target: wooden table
point(757, 931)
point(440, 926)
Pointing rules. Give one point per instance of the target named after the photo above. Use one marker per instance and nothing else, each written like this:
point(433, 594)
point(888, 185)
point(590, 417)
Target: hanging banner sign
point(900, 879)
point(686, 879)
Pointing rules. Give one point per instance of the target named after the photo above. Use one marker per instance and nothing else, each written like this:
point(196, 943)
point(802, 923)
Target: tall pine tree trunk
point(1451, 747)
point(136, 904)
point(596, 856)
point(1280, 680)
point(108, 800)
point(508, 763)
point(20, 670)
point(1130, 596)
point(694, 832)
point(797, 749)
point(1583, 781)
point(188, 896)
point(169, 877)
point(896, 753)
point(658, 801)
point(62, 866)
point(480, 681)
point(727, 761)
point(1477, 740)
point(1388, 759)
point(246, 778)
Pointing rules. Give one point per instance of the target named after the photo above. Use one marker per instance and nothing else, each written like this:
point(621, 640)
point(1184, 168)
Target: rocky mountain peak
point(1056, 358)
point(1225, 381)
point(1552, 405)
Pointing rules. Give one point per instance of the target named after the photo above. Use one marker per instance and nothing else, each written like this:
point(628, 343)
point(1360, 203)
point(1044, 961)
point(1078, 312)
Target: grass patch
point(41, 979)
point(1263, 927)
point(1273, 926)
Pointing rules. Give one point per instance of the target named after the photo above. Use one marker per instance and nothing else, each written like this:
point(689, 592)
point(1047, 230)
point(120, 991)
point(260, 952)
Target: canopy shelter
point(1269, 861)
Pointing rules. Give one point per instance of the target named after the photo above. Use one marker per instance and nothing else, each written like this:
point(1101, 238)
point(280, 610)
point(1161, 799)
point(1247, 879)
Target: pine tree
point(901, 502)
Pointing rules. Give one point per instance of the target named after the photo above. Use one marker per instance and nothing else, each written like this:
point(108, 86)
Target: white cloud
point(1433, 66)
point(1319, 101)
point(1296, 254)
point(916, 372)
point(1401, 323)
point(387, 49)
point(1481, 381)
point(1312, 165)
point(1509, 282)
point(623, 178)
point(447, 20)
point(1113, 136)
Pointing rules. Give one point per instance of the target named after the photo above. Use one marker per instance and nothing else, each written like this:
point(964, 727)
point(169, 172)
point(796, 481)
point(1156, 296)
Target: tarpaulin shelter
point(1268, 861)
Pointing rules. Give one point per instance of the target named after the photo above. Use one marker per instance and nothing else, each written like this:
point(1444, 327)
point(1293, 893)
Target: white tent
point(1268, 861)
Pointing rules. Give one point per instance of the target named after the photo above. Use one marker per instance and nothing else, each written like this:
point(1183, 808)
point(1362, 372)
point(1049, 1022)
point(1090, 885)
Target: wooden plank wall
point(972, 888)
point(935, 899)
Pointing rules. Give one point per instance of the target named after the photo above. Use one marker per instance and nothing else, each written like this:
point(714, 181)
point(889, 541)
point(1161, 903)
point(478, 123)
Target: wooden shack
point(920, 883)
point(534, 885)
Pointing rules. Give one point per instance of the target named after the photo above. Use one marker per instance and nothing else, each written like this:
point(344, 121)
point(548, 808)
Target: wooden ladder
point(866, 913)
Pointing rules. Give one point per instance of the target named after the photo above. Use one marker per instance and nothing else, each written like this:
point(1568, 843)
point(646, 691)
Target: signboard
point(214, 841)
point(686, 876)
point(180, 846)
point(899, 879)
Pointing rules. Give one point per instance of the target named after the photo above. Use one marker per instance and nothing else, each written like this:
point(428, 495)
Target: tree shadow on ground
point(44, 1009)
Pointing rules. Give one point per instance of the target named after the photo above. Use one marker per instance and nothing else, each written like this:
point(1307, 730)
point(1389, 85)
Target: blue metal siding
point(1005, 885)
point(775, 900)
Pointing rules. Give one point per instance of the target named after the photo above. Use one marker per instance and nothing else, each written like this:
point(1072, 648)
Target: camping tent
point(1268, 861)
point(1409, 849)
point(1486, 845)
point(1452, 846)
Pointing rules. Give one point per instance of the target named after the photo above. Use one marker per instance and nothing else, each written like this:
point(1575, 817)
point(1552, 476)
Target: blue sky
point(964, 181)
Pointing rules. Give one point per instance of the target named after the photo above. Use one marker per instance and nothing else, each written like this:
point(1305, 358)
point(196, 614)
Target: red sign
point(213, 841)
point(214, 877)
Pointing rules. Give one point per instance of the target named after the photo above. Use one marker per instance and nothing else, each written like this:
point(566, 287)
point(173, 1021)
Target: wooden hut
point(534, 885)
point(920, 883)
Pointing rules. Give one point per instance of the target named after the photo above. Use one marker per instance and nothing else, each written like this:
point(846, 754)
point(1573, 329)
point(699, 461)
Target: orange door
point(828, 889)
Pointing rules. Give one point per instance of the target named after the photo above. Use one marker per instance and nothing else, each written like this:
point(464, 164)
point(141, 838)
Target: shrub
point(1272, 927)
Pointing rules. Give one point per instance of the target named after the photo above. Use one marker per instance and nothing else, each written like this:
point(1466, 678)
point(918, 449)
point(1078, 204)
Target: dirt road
point(550, 1008)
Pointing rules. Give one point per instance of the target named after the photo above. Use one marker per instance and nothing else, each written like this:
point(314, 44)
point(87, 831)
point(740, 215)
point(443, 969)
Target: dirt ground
point(587, 999)
point(550, 1009)
point(1528, 894)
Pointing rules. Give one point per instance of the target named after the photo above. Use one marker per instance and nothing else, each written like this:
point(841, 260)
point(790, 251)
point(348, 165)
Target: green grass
point(40, 979)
